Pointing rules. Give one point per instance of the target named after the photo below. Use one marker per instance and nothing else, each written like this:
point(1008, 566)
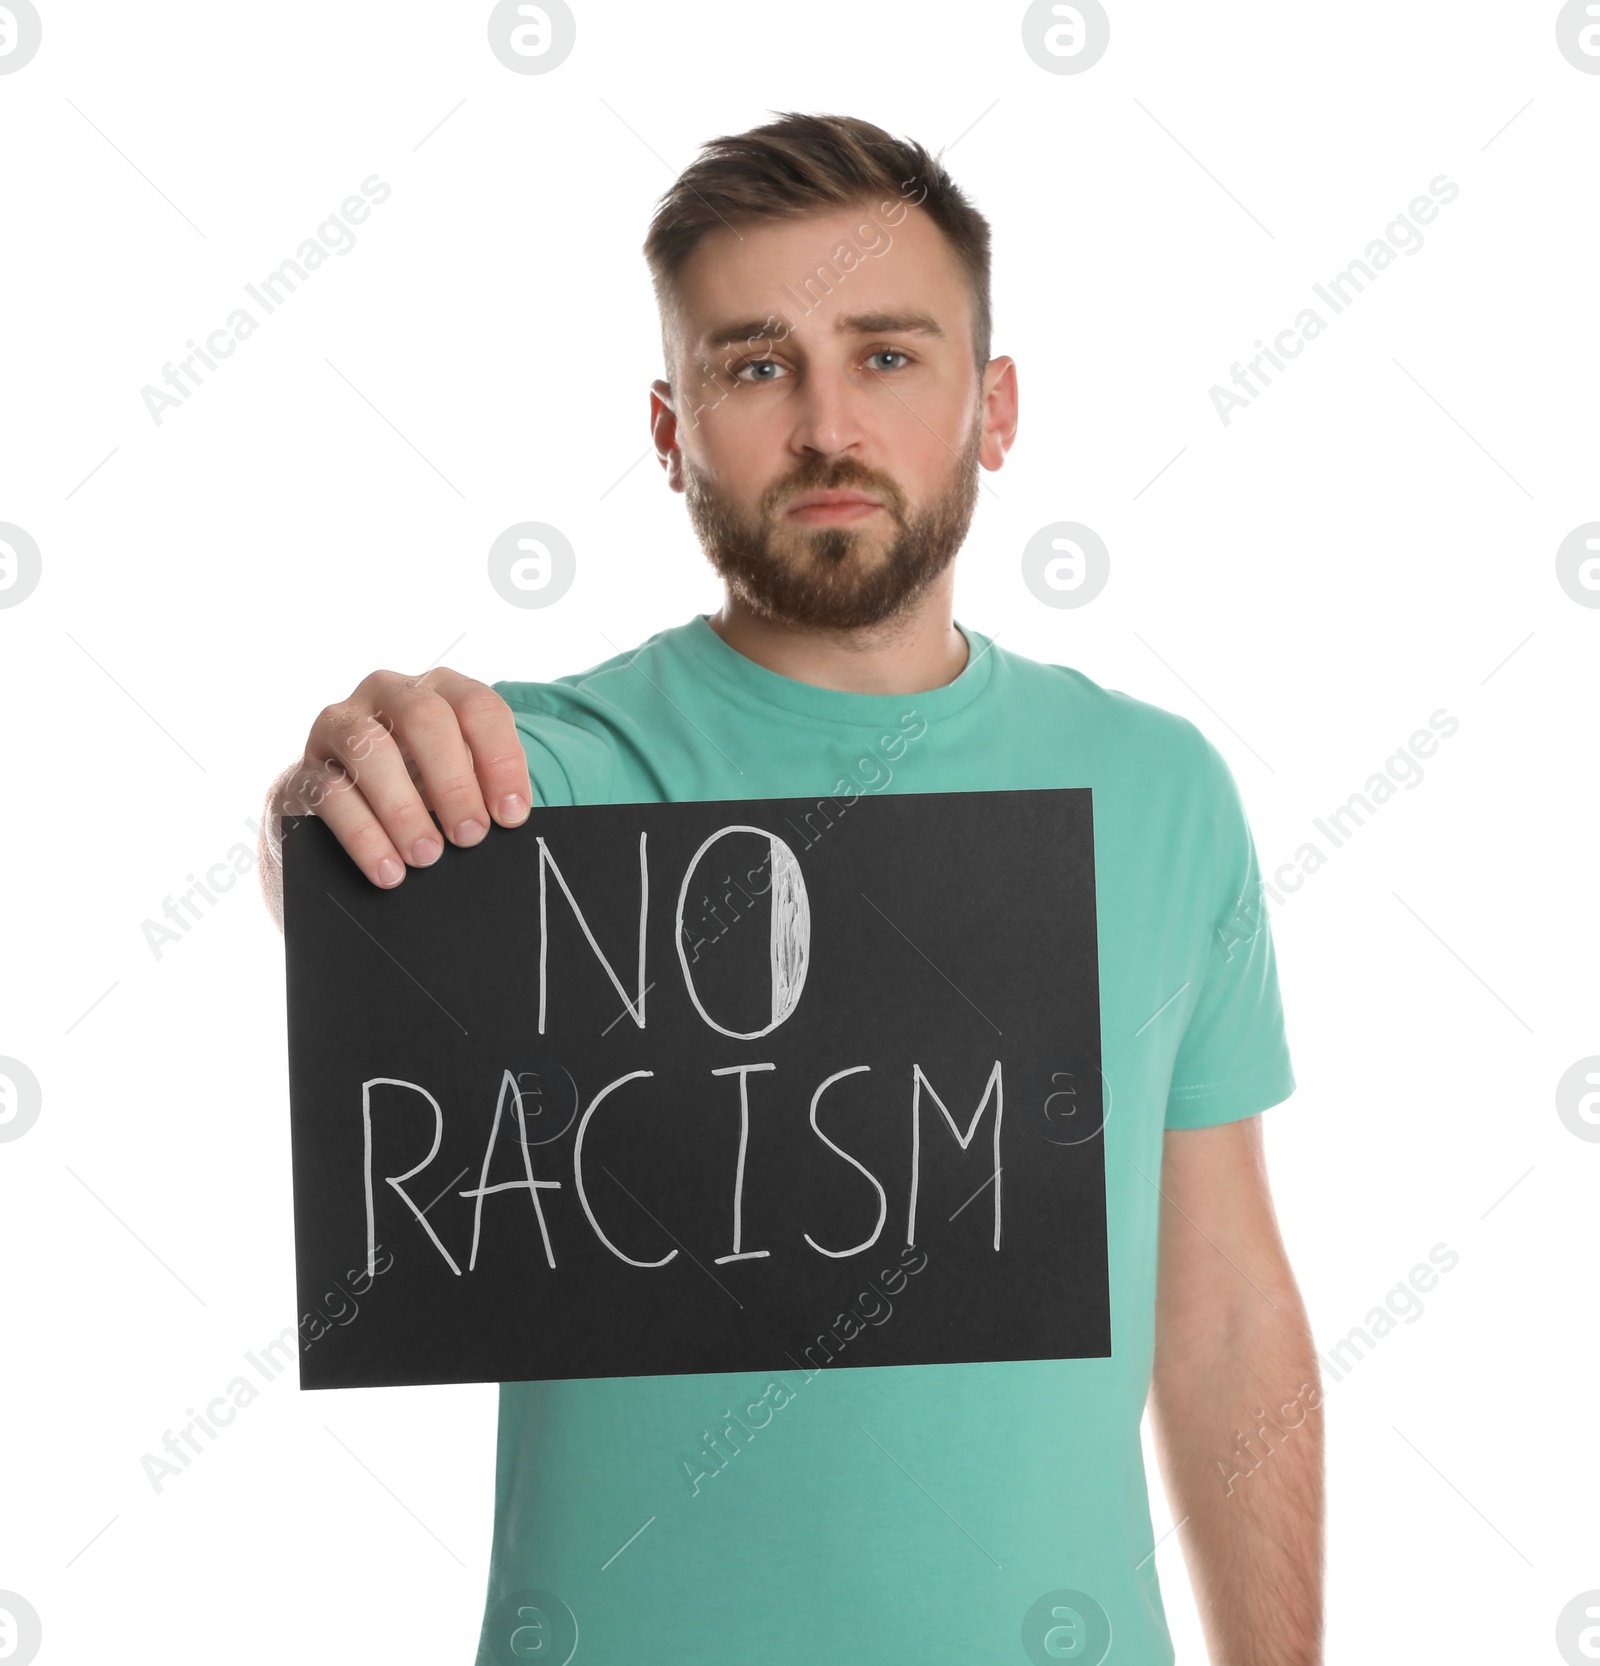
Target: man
point(830, 397)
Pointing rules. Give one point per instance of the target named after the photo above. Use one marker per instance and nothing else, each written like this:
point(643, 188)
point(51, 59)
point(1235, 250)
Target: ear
point(664, 431)
point(998, 411)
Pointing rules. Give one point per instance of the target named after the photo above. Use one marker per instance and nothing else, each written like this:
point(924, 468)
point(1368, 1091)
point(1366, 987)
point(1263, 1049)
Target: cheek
point(923, 464)
point(743, 455)
point(928, 427)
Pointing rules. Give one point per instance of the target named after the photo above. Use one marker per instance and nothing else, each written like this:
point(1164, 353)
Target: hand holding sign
point(375, 765)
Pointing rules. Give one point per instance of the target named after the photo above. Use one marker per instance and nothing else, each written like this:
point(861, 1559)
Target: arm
point(1236, 1402)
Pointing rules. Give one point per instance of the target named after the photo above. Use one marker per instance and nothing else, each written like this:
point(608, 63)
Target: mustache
point(835, 480)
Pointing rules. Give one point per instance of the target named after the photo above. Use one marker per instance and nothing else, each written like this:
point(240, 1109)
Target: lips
point(839, 510)
point(833, 500)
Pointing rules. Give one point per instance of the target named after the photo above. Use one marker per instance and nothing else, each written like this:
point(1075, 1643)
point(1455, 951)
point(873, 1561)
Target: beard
point(840, 578)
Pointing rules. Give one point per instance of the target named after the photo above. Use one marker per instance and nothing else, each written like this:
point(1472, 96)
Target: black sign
point(715, 1086)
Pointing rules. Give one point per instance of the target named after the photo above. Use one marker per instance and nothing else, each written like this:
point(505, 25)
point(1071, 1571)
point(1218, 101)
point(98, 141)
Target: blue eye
point(893, 352)
point(754, 364)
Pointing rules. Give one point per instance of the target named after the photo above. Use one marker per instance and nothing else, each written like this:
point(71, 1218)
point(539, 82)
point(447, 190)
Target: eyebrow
point(855, 323)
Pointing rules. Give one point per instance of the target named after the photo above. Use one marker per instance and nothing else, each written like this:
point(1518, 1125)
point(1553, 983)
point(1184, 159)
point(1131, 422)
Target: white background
point(1372, 540)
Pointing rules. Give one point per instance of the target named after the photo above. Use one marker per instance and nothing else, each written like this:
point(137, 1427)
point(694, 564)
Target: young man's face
point(872, 393)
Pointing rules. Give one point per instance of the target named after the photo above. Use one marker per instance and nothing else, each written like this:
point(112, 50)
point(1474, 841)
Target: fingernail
point(512, 809)
point(390, 872)
point(469, 832)
point(424, 851)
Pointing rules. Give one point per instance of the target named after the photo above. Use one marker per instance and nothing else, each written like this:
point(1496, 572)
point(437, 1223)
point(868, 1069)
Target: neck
point(915, 651)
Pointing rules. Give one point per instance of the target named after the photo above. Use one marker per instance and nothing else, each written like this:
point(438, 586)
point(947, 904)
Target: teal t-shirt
point(897, 1515)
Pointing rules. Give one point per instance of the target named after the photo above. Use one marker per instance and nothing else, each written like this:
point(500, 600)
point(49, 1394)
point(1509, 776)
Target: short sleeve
point(567, 764)
point(1233, 1060)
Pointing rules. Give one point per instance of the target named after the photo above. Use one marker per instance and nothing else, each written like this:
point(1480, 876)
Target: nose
point(826, 413)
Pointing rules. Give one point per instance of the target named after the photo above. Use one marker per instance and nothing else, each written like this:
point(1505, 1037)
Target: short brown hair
point(800, 165)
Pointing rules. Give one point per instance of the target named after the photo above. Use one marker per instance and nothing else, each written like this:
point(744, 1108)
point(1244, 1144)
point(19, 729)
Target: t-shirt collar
point(836, 704)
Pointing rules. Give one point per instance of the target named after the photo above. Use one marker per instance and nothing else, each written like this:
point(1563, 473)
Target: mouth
point(832, 508)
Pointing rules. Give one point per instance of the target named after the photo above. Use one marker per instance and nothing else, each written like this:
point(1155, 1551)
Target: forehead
point(839, 269)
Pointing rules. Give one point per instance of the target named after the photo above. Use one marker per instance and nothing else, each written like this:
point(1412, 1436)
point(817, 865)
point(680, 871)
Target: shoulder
point(572, 726)
point(1123, 724)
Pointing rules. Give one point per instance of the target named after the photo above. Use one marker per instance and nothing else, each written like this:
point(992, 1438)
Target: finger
point(425, 724)
point(325, 790)
point(363, 780)
point(490, 731)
